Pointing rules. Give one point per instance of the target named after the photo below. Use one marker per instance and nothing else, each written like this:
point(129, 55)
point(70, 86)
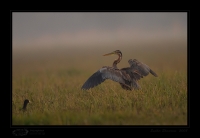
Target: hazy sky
point(66, 28)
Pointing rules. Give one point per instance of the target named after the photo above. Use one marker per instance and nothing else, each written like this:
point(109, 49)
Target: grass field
point(51, 79)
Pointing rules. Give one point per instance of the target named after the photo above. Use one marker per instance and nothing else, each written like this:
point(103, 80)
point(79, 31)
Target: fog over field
point(69, 29)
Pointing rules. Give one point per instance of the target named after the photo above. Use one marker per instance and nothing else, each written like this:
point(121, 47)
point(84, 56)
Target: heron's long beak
point(112, 53)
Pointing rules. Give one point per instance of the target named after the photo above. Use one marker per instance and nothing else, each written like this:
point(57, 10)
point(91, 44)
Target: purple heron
point(127, 77)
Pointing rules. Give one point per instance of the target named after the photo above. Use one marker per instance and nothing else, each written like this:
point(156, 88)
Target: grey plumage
point(127, 77)
point(105, 73)
point(140, 68)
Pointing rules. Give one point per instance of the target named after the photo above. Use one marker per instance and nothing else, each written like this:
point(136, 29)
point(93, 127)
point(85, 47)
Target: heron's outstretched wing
point(106, 73)
point(136, 71)
point(140, 68)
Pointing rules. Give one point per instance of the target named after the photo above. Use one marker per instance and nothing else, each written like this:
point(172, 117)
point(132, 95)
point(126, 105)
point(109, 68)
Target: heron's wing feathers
point(153, 73)
point(140, 68)
point(127, 77)
point(134, 77)
point(105, 73)
point(136, 71)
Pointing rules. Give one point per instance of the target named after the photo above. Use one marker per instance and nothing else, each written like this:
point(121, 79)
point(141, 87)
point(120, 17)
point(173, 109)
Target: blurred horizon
point(32, 30)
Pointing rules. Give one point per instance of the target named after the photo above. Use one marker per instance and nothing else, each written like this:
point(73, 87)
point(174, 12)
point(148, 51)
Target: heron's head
point(116, 52)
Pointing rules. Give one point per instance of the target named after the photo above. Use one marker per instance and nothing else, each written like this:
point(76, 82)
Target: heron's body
point(127, 77)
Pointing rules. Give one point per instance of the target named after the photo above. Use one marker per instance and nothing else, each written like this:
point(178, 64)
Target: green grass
point(53, 85)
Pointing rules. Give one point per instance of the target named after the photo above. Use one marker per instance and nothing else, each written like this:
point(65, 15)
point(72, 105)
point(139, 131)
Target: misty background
point(78, 29)
point(47, 40)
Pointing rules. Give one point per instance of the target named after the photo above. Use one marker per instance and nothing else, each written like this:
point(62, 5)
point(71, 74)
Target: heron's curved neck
point(117, 61)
